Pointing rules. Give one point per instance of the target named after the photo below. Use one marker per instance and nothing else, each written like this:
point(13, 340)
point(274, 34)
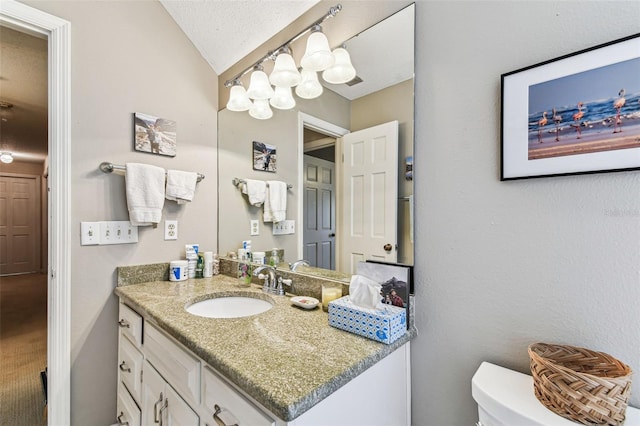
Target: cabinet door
point(153, 395)
point(130, 367)
point(227, 404)
point(128, 412)
point(178, 413)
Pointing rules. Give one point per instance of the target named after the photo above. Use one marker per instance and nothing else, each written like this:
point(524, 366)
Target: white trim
point(321, 126)
point(25, 18)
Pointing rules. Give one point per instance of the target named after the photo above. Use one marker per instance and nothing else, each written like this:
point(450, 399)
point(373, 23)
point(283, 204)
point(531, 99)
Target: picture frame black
point(396, 280)
point(575, 114)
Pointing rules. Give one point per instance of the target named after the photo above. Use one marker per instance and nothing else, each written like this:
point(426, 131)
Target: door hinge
point(141, 373)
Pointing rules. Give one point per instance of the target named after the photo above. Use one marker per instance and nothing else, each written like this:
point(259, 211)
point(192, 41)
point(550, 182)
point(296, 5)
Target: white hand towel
point(145, 193)
point(256, 190)
point(275, 204)
point(181, 186)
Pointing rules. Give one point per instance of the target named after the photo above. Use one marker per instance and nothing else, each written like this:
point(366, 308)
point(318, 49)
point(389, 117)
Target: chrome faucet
point(270, 281)
point(294, 265)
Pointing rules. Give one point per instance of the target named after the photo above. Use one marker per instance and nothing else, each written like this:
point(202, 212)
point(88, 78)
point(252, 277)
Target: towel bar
point(237, 182)
point(110, 167)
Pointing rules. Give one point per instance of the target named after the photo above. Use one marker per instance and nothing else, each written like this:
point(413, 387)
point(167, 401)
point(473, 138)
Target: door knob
point(388, 247)
point(331, 235)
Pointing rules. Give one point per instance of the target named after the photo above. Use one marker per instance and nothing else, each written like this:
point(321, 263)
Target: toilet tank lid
point(508, 396)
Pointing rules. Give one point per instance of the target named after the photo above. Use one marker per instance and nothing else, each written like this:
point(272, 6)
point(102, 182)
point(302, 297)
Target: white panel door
point(19, 230)
point(319, 212)
point(368, 200)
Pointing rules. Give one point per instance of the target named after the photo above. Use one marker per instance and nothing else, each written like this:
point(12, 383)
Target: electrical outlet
point(255, 227)
point(170, 229)
point(89, 233)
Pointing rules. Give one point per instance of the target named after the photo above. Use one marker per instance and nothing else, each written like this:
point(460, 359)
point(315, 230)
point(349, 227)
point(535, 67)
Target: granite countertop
point(288, 358)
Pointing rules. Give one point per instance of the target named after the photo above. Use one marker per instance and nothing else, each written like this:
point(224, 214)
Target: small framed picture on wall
point(264, 157)
point(154, 135)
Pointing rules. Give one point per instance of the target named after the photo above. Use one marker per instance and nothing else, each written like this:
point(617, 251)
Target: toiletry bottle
point(200, 266)
point(216, 264)
point(275, 259)
point(208, 264)
point(244, 268)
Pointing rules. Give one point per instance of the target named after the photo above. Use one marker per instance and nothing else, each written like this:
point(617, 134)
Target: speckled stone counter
point(288, 359)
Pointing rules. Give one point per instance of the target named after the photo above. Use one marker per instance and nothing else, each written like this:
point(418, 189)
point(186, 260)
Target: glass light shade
point(238, 99)
point(6, 157)
point(283, 99)
point(318, 56)
point(261, 110)
point(285, 73)
point(310, 87)
point(342, 71)
point(259, 87)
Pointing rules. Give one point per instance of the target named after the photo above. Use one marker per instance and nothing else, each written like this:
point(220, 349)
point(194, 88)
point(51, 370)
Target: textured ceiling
point(225, 31)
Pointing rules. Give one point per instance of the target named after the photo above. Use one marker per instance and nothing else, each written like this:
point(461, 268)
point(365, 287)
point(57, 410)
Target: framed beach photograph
point(264, 157)
point(154, 135)
point(576, 114)
point(395, 280)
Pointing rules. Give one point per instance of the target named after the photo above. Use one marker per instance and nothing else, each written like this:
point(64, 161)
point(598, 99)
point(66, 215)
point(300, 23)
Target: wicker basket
point(582, 385)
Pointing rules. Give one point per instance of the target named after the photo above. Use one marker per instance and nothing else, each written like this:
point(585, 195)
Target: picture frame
point(264, 157)
point(154, 135)
point(396, 280)
point(576, 114)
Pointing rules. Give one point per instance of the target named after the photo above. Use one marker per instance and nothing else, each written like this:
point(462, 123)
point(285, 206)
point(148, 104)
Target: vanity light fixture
point(259, 87)
point(238, 98)
point(318, 57)
point(285, 73)
point(283, 99)
point(342, 71)
point(6, 157)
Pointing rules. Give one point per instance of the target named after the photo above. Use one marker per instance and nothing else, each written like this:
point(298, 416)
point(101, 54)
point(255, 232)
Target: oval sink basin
point(229, 307)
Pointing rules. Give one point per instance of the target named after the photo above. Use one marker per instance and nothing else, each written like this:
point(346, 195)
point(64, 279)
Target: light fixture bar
point(273, 53)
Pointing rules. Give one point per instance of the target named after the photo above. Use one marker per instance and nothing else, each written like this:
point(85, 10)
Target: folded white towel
point(145, 193)
point(181, 186)
point(256, 190)
point(275, 204)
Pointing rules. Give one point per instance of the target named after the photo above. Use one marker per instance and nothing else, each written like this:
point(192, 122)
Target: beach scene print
point(154, 135)
point(592, 111)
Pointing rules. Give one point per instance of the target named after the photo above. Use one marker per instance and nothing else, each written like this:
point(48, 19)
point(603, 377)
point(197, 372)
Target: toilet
point(505, 398)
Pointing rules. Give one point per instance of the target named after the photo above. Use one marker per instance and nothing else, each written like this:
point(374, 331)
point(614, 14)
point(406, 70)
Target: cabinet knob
point(155, 409)
point(124, 324)
point(123, 367)
point(217, 418)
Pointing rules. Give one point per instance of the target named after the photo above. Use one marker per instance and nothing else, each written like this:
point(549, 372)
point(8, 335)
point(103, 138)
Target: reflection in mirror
point(319, 144)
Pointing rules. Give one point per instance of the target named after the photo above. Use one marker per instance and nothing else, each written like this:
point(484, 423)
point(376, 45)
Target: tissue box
point(384, 325)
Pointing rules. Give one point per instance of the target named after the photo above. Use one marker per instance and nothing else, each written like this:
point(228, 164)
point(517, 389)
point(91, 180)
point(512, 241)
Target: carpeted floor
point(23, 348)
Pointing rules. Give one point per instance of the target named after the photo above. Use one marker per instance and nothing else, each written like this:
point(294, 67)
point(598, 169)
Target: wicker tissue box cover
point(384, 325)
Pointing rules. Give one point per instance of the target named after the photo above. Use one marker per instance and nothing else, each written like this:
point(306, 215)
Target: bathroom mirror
point(309, 143)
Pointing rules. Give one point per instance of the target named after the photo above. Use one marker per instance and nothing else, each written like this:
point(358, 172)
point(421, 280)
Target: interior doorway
point(58, 275)
point(23, 226)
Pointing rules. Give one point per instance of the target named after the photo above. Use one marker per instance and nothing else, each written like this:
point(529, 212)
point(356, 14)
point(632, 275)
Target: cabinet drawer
point(128, 412)
point(232, 406)
point(130, 367)
point(178, 367)
point(130, 324)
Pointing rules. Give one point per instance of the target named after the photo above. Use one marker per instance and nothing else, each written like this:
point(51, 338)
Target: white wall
point(500, 265)
point(127, 57)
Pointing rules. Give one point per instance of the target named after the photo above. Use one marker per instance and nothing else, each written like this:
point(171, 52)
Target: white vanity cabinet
point(170, 385)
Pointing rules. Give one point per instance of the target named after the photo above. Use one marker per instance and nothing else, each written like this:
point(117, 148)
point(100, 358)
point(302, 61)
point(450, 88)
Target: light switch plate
point(170, 230)
point(89, 233)
point(118, 232)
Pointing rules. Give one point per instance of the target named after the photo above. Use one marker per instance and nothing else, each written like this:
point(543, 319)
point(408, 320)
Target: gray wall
point(127, 57)
point(500, 265)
